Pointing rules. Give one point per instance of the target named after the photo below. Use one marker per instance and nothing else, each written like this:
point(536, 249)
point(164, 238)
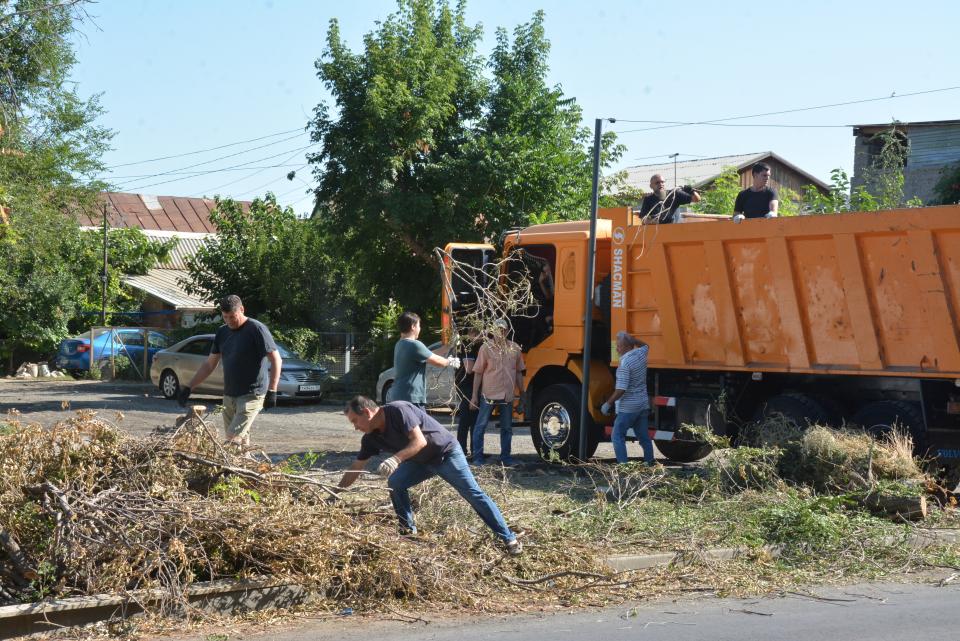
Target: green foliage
point(804, 524)
point(947, 188)
point(300, 463)
point(278, 264)
point(839, 198)
point(425, 149)
point(721, 195)
point(884, 175)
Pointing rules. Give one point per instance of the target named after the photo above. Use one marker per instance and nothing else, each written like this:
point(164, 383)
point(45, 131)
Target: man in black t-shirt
point(466, 412)
point(421, 448)
point(758, 200)
point(251, 370)
point(661, 205)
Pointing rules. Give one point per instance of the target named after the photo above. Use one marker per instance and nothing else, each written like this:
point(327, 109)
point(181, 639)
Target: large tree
point(50, 154)
point(423, 147)
point(276, 262)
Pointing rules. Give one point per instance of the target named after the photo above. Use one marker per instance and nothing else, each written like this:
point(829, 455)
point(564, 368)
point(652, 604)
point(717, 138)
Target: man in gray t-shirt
point(410, 358)
point(251, 370)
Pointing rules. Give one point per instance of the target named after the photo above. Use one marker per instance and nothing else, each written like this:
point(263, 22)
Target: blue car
point(74, 353)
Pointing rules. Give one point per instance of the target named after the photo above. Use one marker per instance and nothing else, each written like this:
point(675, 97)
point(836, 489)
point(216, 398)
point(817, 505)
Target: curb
point(229, 596)
point(225, 596)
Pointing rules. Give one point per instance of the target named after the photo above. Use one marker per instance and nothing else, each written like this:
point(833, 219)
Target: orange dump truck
point(849, 317)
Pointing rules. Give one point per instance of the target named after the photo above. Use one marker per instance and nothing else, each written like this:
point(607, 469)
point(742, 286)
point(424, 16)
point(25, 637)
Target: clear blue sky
point(184, 75)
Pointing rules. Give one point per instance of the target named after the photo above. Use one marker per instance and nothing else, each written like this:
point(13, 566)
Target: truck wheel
point(169, 384)
point(800, 409)
point(684, 451)
point(879, 418)
point(555, 424)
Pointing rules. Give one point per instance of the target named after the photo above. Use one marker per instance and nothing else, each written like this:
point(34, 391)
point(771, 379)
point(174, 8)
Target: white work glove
point(453, 362)
point(388, 467)
point(606, 409)
point(771, 214)
point(738, 218)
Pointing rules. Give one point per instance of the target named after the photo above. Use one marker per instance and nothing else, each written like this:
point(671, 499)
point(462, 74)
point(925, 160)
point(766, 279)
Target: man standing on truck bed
point(498, 371)
point(758, 200)
point(410, 358)
point(661, 205)
point(630, 398)
point(247, 349)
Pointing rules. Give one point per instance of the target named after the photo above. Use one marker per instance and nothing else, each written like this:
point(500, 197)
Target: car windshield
point(286, 353)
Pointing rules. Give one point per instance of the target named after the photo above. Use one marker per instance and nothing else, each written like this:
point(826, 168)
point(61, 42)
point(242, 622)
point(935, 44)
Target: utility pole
point(103, 277)
point(585, 419)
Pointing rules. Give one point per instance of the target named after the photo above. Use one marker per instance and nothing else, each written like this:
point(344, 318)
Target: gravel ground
point(138, 408)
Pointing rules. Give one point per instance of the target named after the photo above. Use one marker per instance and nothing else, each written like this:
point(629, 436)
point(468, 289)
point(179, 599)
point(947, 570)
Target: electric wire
point(203, 151)
point(892, 96)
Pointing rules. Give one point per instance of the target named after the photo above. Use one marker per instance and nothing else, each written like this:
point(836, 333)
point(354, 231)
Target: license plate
point(309, 388)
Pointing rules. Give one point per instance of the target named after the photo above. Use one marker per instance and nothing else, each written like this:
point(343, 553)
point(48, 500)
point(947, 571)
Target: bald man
point(661, 205)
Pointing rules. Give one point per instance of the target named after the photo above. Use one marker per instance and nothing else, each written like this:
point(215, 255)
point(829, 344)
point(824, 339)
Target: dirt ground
point(139, 408)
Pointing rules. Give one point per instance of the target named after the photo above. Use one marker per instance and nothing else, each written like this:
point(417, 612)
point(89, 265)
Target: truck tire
point(684, 451)
point(800, 409)
point(555, 423)
point(879, 417)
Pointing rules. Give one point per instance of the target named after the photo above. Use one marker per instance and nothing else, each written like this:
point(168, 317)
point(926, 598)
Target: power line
point(203, 151)
point(784, 111)
point(249, 162)
point(197, 173)
point(233, 155)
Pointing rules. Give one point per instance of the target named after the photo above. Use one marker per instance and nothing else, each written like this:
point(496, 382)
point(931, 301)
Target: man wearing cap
point(498, 372)
point(251, 370)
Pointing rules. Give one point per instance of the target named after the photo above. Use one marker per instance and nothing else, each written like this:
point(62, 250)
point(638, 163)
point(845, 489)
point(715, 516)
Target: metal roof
point(188, 244)
point(164, 284)
point(703, 170)
point(143, 211)
point(923, 123)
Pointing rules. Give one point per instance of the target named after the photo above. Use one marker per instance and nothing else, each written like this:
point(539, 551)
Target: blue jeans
point(506, 427)
point(638, 422)
point(454, 470)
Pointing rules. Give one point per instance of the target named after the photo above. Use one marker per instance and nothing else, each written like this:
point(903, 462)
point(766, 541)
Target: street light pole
point(103, 276)
point(588, 293)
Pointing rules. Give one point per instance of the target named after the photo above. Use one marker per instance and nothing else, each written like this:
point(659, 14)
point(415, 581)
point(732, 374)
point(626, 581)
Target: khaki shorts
point(238, 415)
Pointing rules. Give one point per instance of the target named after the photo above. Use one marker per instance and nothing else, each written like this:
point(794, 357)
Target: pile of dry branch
point(85, 509)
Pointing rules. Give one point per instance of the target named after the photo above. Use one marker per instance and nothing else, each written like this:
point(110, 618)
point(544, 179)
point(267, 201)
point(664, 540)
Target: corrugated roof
point(165, 213)
point(703, 170)
point(695, 172)
point(164, 284)
point(188, 244)
point(923, 123)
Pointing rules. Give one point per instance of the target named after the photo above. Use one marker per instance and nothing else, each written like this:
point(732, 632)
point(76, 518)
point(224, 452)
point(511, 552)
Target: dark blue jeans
point(638, 422)
point(506, 427)
point(454, 470)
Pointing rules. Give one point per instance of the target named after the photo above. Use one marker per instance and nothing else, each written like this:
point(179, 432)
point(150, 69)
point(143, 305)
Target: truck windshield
point(535, 324)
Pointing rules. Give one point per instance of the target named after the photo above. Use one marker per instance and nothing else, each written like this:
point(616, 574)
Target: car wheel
point(385, 392)
point(169, 384)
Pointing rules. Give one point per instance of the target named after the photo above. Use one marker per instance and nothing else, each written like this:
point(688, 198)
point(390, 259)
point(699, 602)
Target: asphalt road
point(140, 408)
point(865, 612)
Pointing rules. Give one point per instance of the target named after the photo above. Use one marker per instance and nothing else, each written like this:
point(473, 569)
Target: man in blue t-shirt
point(251, 370)
point(410, 358)
point(420, 448)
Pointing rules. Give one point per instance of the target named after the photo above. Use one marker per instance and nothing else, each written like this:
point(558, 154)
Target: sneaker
point(508, 460)
point(479, 460)
point(515, 547)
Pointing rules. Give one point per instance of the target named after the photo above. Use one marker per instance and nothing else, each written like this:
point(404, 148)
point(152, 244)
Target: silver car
point(439, 382)
point(177, 364)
